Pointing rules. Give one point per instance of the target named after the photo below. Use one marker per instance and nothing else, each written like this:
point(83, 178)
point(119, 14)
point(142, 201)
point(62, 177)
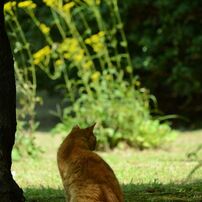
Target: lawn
point(150, 175)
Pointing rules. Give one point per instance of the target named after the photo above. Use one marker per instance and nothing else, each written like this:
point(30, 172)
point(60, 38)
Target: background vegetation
point(165, 43)
point(82, 47)
point(131, 66)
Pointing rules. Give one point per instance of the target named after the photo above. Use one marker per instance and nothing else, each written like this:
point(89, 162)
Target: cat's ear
point(91, 127)
point(76, 127)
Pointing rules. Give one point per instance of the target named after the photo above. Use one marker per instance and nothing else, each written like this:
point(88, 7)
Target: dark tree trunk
point(9, 190)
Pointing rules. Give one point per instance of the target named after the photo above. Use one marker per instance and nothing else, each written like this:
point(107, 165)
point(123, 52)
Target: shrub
point(121, 113)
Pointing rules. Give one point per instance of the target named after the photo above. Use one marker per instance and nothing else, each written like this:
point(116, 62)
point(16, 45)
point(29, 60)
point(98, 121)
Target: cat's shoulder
point(93, 159)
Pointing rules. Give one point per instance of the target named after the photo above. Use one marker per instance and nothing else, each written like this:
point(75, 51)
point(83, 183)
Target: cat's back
point(94, 173)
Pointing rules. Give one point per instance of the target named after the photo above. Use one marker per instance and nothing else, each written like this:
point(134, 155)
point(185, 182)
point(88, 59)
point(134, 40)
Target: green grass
point(150, 175)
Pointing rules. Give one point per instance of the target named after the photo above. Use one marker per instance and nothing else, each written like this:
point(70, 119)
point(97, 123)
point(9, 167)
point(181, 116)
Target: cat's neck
point(79, 145)
point(71, 145)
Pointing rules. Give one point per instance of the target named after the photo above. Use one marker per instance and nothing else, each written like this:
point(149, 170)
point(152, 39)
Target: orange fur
point(85, 175)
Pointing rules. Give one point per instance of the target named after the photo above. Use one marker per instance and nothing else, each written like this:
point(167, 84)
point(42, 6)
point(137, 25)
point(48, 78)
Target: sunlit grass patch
point(150, 175)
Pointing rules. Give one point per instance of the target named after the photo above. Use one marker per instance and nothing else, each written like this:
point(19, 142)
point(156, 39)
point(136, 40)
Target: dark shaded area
point(165, 44)
point(164, 192)
point(44, 113)
point(133, 193)
point(44, 195)
point(9, 190)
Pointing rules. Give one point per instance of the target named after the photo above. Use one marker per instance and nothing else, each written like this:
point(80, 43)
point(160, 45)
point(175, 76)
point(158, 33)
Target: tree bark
point(9, 190)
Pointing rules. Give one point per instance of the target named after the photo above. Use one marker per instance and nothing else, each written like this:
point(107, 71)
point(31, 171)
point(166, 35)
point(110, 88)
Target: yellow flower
point(63, 45)
point(78, 57)
point(92, 2)
point(88, 41)
point(50, 3)
point(67, 55)
point(68, 6)
point(39, 55)
point(71, 50)
point(95, 38)
point(27, 4)
point(98, 2)
point(87, 64)
point(98, 47)
point(58, 62)
point(101, 33)
point(96, 41)
point(95, 76)
point(44, 28)
point(73, 45)
point(69, 45)
point(53, 3)
point(9, 6)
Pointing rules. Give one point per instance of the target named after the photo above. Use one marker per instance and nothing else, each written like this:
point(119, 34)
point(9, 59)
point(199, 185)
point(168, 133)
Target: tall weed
point(84, 44)
point(26, 84)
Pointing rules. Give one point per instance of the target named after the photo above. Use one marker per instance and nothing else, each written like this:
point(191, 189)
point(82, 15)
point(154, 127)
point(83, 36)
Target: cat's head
point(86, 135)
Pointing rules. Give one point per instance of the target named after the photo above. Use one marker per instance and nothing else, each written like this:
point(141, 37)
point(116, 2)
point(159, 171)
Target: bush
point(121, 113)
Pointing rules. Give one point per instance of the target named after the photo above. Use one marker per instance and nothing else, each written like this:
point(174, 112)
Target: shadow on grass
point(156, 192)
point(190, 192)
point(44, 195)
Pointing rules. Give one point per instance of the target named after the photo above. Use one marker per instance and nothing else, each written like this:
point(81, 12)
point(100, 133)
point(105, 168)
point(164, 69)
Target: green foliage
point(25, 145)
point(26, 124)
point(26, 84)
point(86, 50)
point(166, 44)
point(121, 113)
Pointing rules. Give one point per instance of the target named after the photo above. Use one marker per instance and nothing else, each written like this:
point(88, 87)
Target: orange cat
point(85, 175)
